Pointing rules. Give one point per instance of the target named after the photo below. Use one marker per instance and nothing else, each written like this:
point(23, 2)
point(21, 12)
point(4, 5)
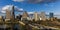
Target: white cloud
point(18, 0)
point(30, 12)
point(9, 7)
point(42, 1)
point(17, 8)
point(20, 9)
point(3, 11)
point(36, 1)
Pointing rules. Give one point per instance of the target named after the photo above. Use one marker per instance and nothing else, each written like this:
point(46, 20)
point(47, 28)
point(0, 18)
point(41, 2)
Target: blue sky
point(32, 7)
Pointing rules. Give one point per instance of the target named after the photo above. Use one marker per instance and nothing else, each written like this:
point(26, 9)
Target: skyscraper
point(12, 13)
point(8, 14)
point(31, 17)
point(1, 19)
point(42, 16)
point(51, 15)
point(25, 15)
point(36, 16)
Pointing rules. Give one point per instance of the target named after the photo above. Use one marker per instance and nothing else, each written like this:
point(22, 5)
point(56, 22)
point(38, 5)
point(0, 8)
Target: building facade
point(42, 16)
point(51, 15)
point(8, 14)
point(36, 16)
point(25, 15)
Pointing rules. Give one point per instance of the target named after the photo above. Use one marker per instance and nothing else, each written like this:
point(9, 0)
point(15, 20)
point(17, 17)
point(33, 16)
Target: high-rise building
point(25, 15)
point(36, 16)
point(12, 13)
point(42, 16)
point(1, 19)
point(51, 15)
point(8, 14)
point(31, 17)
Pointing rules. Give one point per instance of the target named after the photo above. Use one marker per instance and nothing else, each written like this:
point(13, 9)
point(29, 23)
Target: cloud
point(18, 0)
point(42, 1)
point(3, 11)
point(30, 12)
point(9, 7)
point(17, 8)
point(37, 1)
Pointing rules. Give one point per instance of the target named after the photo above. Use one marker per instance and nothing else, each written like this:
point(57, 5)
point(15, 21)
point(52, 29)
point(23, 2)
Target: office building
point(1, 18)
point(25, 15)
point(12, 13)
point(31, 17)
point(51, 15)
point(36, 16)
point(42, 16)
point(8, 14)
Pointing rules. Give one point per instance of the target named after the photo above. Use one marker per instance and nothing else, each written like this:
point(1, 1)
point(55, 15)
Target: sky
point(34, 5)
